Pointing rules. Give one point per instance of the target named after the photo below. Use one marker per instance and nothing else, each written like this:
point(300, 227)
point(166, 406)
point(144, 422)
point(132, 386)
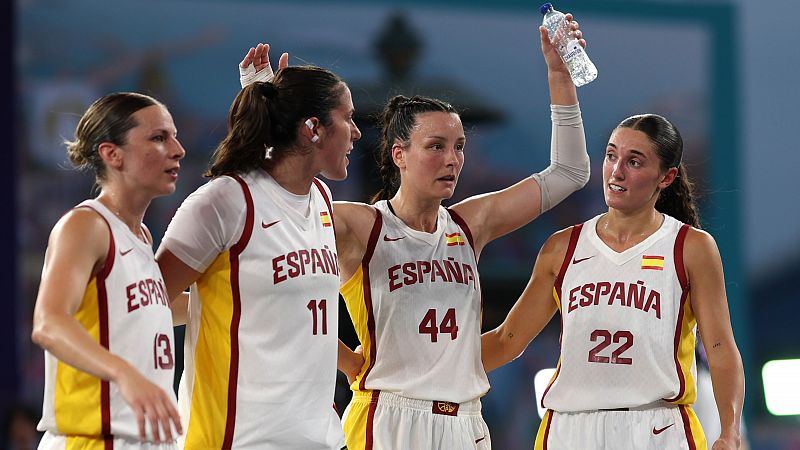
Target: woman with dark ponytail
point(632, 285)
point(256, 246)
point(409, 270)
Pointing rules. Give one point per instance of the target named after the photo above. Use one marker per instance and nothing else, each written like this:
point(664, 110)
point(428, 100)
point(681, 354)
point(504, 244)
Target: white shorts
point(376, 420)
point(661, 427)
point(53, 441)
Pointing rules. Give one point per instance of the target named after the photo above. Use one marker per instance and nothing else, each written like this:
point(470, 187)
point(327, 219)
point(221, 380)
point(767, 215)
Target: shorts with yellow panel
point(376, 420)
point(660, 427)
point(53, 441)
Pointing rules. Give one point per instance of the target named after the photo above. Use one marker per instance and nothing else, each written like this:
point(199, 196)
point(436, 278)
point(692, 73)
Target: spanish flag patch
point(454, 239)
point(652, 262)
point(325, 219)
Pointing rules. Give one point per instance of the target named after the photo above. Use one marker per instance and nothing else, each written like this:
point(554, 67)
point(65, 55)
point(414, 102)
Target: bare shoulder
point(82, 232)
point(557, 243)
point(553, 251)
point(699, 244)
point(357, 218)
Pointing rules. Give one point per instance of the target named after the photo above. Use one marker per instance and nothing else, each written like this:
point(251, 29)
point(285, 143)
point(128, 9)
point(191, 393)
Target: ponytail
point(264, 118)
point(678, 200)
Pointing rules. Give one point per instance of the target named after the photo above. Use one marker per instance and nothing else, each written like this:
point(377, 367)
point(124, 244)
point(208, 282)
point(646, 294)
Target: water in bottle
point(574, 56)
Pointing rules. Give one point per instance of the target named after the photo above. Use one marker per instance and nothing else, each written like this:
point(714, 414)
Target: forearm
point(562, 89)
point(68, 341)
point(180, 309)
point(727, 376)
point(569, 167)
point(498, 348)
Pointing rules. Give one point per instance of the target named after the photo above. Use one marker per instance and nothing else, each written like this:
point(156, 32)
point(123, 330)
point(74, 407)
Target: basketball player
point(257, 246)
point(410, 276)
point(632, 285)
point(102, 313)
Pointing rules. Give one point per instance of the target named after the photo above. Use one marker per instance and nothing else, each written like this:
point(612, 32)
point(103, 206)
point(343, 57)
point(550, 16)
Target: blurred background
point(722, 71)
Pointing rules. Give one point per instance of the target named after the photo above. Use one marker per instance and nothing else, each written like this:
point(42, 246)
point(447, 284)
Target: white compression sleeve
point(248, 75)
point(569, 162)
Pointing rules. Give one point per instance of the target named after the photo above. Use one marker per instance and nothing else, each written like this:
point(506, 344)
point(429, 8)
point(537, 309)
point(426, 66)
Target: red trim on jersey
point(102, 312)
point(573, 243)
point(463, 224)
point(684, 282)
point(327, 202)
point(373, 404)
point(687, 427)
point(108, 443)
point(547, 430)
point(236, 250)
point(371, 243)
point(678, 256)
point(464, 227)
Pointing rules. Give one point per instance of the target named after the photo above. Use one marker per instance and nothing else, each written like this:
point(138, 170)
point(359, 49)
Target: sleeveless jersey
point(261, 340)
point(627, 325)
point(126, 310)
point(415, 303)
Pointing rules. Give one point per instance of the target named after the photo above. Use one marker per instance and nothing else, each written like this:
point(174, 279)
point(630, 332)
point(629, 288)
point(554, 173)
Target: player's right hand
point(150, 403)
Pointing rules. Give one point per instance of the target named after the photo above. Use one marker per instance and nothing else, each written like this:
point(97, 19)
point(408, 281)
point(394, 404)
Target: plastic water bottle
point(574, 56)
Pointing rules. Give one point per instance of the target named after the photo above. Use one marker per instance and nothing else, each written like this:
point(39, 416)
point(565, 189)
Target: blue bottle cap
point(546, 8)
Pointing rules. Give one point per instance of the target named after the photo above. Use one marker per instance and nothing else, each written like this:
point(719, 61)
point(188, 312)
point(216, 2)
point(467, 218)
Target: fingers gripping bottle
point(574, 56)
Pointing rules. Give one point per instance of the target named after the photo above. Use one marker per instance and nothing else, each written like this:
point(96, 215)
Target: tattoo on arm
point(718, 344)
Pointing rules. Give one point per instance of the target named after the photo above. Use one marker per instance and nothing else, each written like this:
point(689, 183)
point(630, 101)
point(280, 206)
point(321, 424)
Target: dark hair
point(397, 120)
point(677, 200)
point(108, 119)
point(267, 115)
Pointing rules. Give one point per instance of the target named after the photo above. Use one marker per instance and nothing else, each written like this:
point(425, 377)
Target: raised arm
point(255, 65)
point(77, 250)
point(497, 213)
point(710, 304)
point(532, 311)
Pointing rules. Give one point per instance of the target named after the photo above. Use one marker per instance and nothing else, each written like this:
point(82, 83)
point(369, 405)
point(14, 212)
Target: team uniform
point(626, 376)
point(261, 339)
point(415, 302)
point(125, 309)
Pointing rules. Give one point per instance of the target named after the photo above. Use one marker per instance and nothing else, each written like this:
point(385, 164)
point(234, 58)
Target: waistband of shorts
point(442, 407)
point(653, 405)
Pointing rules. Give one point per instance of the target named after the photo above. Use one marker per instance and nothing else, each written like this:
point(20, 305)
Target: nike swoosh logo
point(121, 253)
point(388, 239)
point(576, 261)
point(661, 430)
point(267, 225)
point(478, 440)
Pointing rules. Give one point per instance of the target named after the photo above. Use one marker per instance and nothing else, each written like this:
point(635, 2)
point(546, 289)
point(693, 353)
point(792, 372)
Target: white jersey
point(416, 306)
point(261, 340)
point(126, 310)
point(627, 325)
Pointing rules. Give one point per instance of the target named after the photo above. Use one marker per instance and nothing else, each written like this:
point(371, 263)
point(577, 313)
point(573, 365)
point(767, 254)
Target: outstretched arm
point(532, 311)
point(710, 304)
point(495, 214)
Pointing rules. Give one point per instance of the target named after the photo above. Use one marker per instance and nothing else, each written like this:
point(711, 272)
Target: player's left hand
point(256, 67)
point(554, 62)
